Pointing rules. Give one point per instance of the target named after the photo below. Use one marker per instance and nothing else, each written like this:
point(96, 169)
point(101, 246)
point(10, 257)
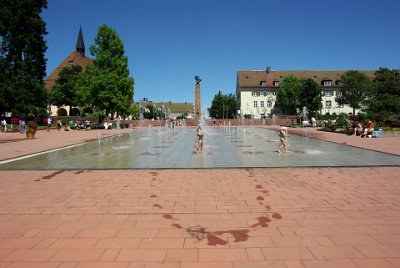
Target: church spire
point(80, 45)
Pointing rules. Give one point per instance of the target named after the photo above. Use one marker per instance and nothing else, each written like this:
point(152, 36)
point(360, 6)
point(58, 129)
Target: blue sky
point(168, 42)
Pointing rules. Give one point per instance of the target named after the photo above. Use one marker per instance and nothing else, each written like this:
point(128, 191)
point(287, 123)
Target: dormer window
point(326, 83)
point(276, 83)
point(263, 83)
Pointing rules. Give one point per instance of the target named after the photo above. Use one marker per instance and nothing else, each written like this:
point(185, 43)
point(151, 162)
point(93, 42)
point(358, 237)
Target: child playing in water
point(282, 138)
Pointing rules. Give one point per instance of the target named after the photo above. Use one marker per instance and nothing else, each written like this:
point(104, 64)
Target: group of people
point(363, 131)
point(77, 125)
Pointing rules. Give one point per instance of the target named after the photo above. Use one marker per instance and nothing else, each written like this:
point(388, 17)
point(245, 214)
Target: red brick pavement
point(292, 217)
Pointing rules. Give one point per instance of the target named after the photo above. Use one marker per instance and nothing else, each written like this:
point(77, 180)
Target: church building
point(77, 57)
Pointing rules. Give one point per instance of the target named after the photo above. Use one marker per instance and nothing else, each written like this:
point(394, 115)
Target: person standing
point(200, 136)
point(282, 139)
point(4, 124)
point(59, 125)
point(22, 125)
point(48, 123)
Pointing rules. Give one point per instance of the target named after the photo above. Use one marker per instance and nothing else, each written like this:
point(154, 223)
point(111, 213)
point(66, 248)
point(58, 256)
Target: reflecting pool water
point(225, 147)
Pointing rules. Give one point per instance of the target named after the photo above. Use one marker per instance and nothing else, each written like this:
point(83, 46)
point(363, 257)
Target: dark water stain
point(52, 175)
point(157, 206)
point(178, 226)
point(265, 191)
point(259, 198)
point(267, 208)
point(239, 235)
point(214, 240)
point(263, 221)
point(261, 203)
point(153, 179)
point(197, 232)
point(258, 186)
point(168, 217)
point(276, 216)
point(79, 171)
point(154, 173)
point(153, 195)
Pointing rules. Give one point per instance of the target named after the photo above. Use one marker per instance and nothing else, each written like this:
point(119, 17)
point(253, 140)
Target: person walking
point(282, 139)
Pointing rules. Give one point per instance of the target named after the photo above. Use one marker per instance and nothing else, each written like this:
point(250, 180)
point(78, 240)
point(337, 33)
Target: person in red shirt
point(369, 129)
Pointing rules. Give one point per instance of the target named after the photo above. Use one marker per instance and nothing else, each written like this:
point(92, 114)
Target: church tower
point(80, 45)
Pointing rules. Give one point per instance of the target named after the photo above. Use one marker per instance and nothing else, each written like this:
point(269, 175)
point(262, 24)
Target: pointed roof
point(80, 45)
point(77, 57)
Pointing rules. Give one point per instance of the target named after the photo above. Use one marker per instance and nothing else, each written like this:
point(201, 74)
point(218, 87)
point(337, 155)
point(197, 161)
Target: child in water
point(282, 138)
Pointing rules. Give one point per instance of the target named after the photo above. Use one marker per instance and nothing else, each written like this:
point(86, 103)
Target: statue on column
point(198, 79)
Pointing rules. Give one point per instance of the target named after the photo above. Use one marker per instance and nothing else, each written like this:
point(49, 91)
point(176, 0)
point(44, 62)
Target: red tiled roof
point(252, 78)
point(74, 58)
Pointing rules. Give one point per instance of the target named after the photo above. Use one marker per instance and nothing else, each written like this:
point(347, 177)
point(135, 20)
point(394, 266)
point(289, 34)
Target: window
point(328, 93)
point(254, 93)
point(255, 104)
point(261, 104)
point(328, 104)
point(327, 83)
point(269, 104)
point(276, 83)
point(261, 93)
point(263, 83)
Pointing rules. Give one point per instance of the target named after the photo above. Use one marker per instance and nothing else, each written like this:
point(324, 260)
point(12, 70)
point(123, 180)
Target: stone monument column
point(197, 104)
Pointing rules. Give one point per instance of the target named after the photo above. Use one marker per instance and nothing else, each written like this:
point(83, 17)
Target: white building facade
point(256, 91)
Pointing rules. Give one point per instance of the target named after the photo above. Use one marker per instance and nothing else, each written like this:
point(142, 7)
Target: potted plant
point(30, 129)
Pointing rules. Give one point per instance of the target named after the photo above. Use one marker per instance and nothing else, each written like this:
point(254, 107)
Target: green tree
point(354, 89)
point(68, 83)
point(23, 65)
point(111, 87)
point(223, 106)
point(287, 98)
point(310, 97)
point(385, 96)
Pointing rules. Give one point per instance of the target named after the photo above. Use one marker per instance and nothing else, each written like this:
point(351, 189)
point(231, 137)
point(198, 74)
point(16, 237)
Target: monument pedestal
point(197, 104)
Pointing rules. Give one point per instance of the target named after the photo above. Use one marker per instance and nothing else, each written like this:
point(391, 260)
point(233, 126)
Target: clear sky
point(168, 42)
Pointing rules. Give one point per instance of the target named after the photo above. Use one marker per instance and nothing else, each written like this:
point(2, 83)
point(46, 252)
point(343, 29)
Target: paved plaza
point(305, 217)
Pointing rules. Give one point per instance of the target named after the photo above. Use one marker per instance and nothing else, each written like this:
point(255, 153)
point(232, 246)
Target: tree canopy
point(111, 87)
point(22, 61)
point(355, 87)
point(223, 106)
point(385, 95)
point(66, 87)
point(310, 96)
point(287, 98)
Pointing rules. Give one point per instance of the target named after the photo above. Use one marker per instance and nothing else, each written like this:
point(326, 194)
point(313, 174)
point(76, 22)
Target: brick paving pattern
point(264, 217)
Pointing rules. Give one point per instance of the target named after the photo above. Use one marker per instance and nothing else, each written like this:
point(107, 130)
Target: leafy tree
point(66, 86)
point(23, 66)
point(287, 98)
point(111, 87)
point(355, 88)
point(310, 96)
point(385, 96)
point(223, 106)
